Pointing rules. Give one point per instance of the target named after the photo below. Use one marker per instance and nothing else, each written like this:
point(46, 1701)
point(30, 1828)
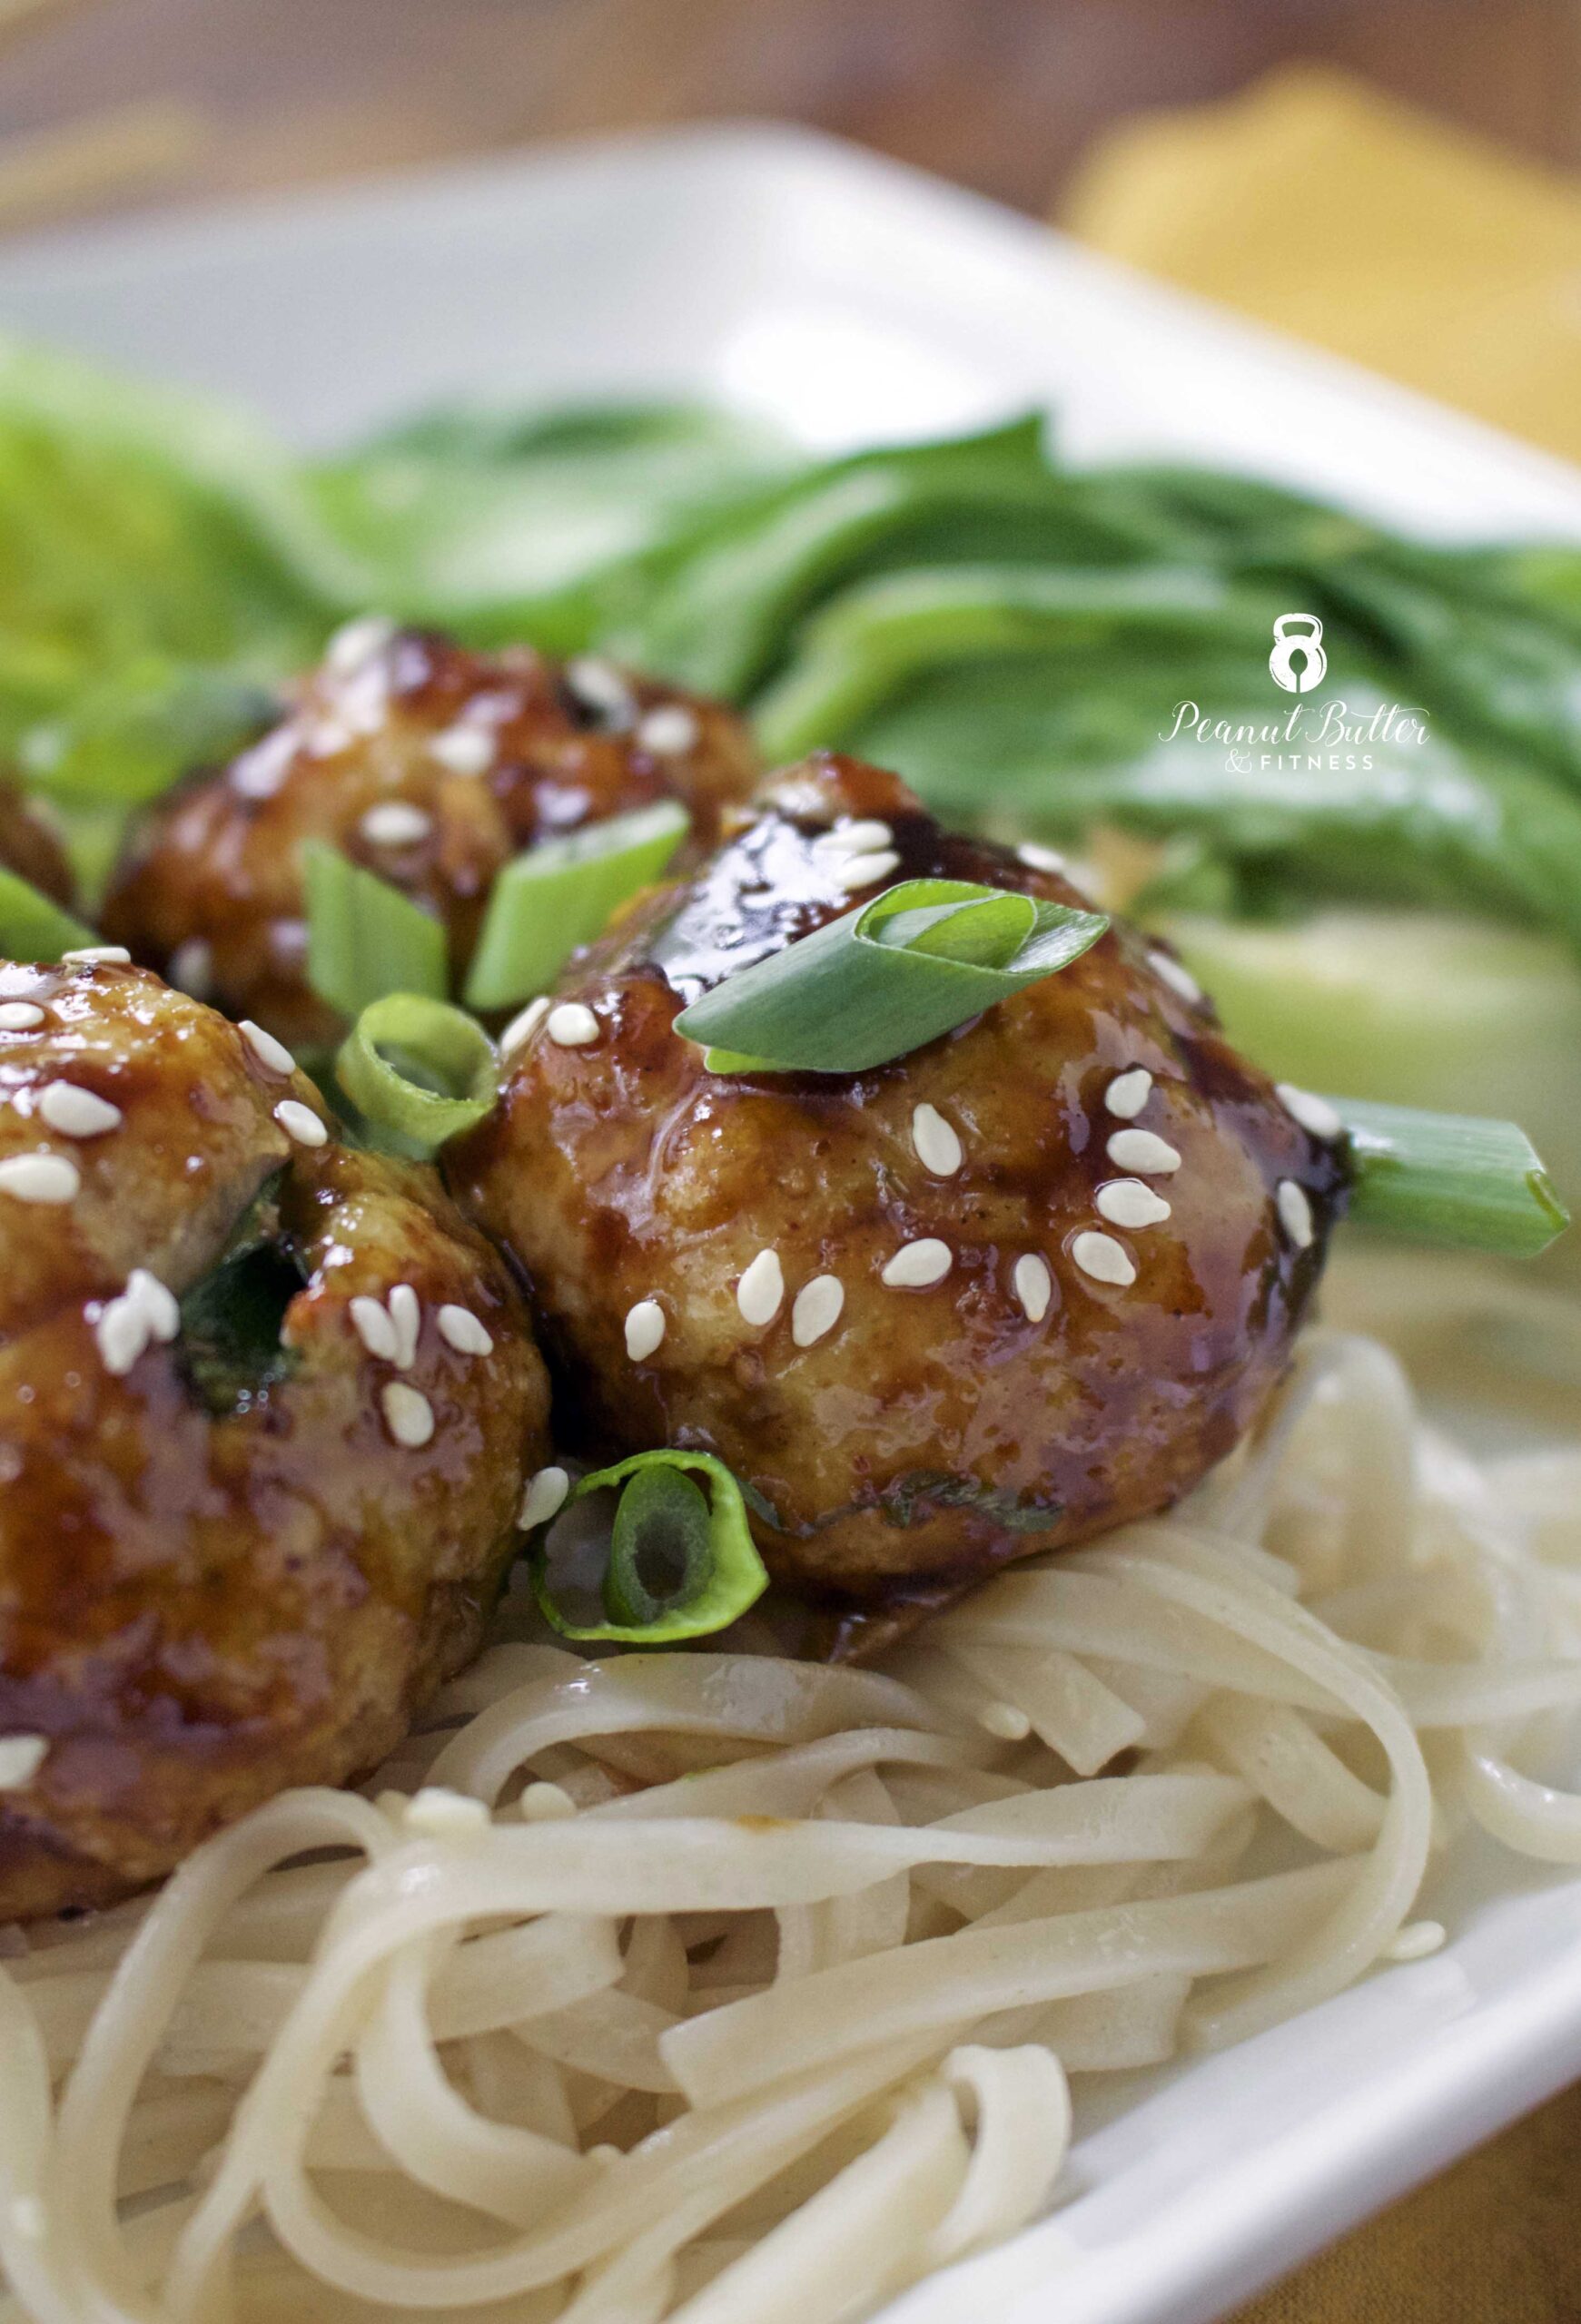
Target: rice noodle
point(768, 2005)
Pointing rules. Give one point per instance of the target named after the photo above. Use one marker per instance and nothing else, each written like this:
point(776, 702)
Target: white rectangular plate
point(851, 300)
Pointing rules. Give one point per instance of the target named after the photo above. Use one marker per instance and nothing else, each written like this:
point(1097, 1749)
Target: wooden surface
point(117, 105)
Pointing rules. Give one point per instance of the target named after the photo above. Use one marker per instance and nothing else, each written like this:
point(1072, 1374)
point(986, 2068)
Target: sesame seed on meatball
point(1023, 1283)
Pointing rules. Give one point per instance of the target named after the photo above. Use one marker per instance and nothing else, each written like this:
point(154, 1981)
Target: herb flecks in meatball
point(1024, 1282)
point(244, 1528)
point(430, 765)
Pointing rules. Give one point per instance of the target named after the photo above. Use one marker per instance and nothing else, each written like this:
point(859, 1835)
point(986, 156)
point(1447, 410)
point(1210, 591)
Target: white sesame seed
point(299, 1122)
point(406, 1314)
point(356, 642)
point(465, 748)
point(522, 1026)
point(327, 738)
point(1034, 1286)
point(938, 1148)
point(865, 836)
point(408, 1413)
point(1128, 1093)
point(916, 1267)
point(271, 1055)
point(572, 1026)
point(1126, 1202)
point(544, 1498)
point(1295, 1212)
point(395, 822)
point(818, 1309)
point(1314, 1113)
point(146, 1310)
point(86, 954)
point(545, 1803)
point(122, 1334)
point(40, 1177)
point(854, 872)
point(1415, 1941)
point(21, 1758)
point(1139, 1149)
point(259, 772)
point(460, 1329)
point(155, 1302)
point(192, 968)
point(76, 1112)
point(668, 730)
point(1005, 1722)
point(1102, 1257)
point(1039, 859)
point(760, 1294)
point(599, 686)
point(370, 1322)
point(1175, 974)
point(437, 1813)
point(645, 1328)
point(20, 1016)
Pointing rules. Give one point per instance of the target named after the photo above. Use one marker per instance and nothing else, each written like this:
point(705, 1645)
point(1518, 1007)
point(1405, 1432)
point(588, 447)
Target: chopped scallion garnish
point(365, 939)
point(561, 893)
point(682, 1562)
point(32, 925)
point(418, 1071)
point(1454, 1178)
point(875, 984)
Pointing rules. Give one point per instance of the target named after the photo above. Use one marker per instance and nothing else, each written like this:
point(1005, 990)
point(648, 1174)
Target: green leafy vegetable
point(1450, 1178)
point(418, 1071)
point(144, 523)
point(681, 1563)
point(561, 894)
point(875, 984)
point(32, 925)
point(503, 525)
point(365, 939)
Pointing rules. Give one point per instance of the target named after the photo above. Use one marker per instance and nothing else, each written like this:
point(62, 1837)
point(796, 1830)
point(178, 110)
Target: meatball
point(432, 766)
point(1026, 1282)
point(29, 847)
point(266, 1404)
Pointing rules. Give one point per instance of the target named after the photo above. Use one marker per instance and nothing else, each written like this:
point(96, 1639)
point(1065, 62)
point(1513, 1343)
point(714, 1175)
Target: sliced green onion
point(562, 893)
point(365, 939)
point(1453, 1178)
point(682, 1562)
point(32, 925)
point(920, 959)
point(418, 1071)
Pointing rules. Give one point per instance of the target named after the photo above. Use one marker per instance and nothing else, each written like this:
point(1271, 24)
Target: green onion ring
point(365, 939)
point(706, 1538)
point(922, 957)
point(562, 893)
point(418, 1071)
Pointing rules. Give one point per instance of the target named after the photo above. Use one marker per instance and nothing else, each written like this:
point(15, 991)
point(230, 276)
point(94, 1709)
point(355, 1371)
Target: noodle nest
point(720, 1986)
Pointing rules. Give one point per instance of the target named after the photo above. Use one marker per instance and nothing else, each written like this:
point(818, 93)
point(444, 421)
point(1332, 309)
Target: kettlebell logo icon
point(1298, 662)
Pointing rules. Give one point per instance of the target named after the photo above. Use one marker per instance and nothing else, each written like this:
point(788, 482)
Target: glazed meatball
point(427, 764)
point(29, 847)
point(1014, 1287)
point(266, 1403)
